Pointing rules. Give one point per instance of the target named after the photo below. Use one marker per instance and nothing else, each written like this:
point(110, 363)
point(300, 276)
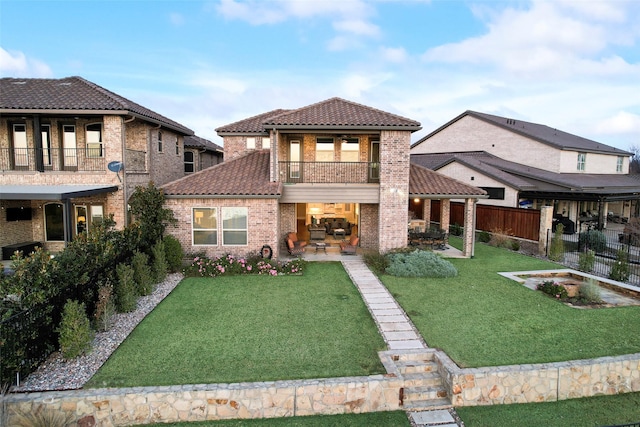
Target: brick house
point(523, 164)
point(287, 170)
point(200, 153)
point(72, 153)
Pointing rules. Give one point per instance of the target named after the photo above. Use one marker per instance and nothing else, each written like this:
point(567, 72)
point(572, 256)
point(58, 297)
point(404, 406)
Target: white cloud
point(390, 54)
point(17, 64)
point(177, 19)
point(355, 85)
point(622, 122)
point(357, 27)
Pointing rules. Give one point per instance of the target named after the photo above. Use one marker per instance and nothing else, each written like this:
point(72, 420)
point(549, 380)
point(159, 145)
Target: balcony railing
point(329, 172)
point(52, 159)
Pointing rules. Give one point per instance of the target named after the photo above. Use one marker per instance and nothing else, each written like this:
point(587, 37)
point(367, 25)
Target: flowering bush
point(230, 265)
point(550, 287)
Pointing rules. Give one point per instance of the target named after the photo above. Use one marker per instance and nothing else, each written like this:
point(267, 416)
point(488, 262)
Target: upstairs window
point(350, 150)
point(159, 141)
point(69, 146)
point(20, 151)
point(266, 142)
point(619, 164)
point(94, 140)
point(324, 150)
point(495, 193)
point(45, 131)
point(177, 146)
point(251, 143)
point(189, 165)
point(582, 160)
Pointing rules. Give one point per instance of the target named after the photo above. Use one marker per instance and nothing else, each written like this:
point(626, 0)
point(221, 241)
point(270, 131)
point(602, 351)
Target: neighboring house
point(523, 164)
point(200, 153)
point(287, 169)
point(72, 153)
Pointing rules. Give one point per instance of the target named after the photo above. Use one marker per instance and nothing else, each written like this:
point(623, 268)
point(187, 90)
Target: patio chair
point(349, 247)
point(294, 246)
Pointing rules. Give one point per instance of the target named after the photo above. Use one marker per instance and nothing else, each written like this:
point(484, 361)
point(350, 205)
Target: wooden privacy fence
point(523, 223)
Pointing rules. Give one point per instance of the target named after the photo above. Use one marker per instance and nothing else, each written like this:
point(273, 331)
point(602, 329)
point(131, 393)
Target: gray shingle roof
point(198, 142)
point(333, 113)
point(73, 95)
point(246, 176)
point(545, 134)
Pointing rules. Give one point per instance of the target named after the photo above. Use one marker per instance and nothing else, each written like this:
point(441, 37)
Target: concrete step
point(428, 379)
point(416, 366)
point(418, 355)
point(427, 405)
point(423, 393)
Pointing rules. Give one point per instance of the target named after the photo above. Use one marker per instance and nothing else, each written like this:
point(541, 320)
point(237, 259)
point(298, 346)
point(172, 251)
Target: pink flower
point(248, 268)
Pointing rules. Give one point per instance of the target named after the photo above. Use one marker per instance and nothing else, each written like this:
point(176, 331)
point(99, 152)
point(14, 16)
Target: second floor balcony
point(329, 172)
point(52, 159)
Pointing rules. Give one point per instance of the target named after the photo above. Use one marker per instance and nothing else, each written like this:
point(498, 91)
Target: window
point(177, 146)
point(619, 164)
point(582, 159)
point(234, 226)
point(324, 150)
point(94, 140)
point(160, 141)
point(54, 222)
point(189, 165)
point(97, 214)
point(20, 151)
point(496, 193)
point(294, 159)
point(251, 143)
point(69, 145)
point(266, 142)
point(204, 226)
point(350, 150)
point(45, 130)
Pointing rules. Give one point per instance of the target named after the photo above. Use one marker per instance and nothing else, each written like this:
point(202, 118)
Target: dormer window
point(582, 160)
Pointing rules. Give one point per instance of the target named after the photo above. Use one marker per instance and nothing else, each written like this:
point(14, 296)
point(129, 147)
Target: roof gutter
point(447, 196)
point(226, 196)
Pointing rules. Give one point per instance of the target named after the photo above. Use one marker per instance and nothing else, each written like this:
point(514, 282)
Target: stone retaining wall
point(145, 405)
point(540, 382)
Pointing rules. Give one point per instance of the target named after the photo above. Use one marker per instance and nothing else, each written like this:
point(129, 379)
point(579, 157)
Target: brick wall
point(262, 225)
point(368, 227)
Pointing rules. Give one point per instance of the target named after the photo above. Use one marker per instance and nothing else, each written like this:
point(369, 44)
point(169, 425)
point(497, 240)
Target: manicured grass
point(387, 419)
point(592, 411)
point(250, 328)
point(482, 319)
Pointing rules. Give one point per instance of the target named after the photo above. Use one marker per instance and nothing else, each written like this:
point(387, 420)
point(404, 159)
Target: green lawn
point(592, 411)
point(482, 319)
point(250, 328)
point(374, 419)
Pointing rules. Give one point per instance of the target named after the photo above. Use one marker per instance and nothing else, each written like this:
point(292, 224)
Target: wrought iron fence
point(53, 159)
point(26, 340)
point(329, 172)
point(606, 245)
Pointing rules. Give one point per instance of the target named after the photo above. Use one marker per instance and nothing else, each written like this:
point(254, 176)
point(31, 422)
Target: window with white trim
point(324, 150)
point(189, 164)
point(20, 150)
point(69, 145)
point(266, 142)
point(619, 164)
point(251, 143)
point(582, 160)
point(94, 140)
point(45, 131)
point(350, 150)
point(204, 226)
point(234, 226)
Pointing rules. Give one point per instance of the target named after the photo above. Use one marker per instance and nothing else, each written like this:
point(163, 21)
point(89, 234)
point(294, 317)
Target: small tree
point(142, 273)
point(149, 213)
point(556, 251)
point(173, 252)
point(126, 293)
point(620, 268)
point(75, 330)
point(159, 265)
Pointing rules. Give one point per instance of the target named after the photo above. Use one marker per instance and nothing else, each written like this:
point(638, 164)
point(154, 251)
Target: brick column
point(546, 220)
point(469, 227)
point(426, 213)
point(445, 213)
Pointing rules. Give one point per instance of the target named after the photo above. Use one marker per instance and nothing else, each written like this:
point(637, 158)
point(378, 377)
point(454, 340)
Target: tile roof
point(527, 178)
point(334, 113)
point(245, 176)
point(73, 95)
point(545, 134)
point(425, 182)
point(194, 141)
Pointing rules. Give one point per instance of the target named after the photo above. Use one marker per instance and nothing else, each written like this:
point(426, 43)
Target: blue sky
point(570, 64)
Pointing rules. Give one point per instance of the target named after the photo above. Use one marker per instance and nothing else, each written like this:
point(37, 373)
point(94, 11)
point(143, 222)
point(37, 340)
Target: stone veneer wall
point(540, 382)
point(145, 405)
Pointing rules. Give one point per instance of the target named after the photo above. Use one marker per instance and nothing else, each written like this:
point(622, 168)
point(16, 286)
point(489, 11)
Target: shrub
point(376, 261)
point(550, 287)
point(159, 266)
point(484, 237)
point(419, 264)
point(593, 239)
point(586, 260)
point(455, 230)
point(147, 208)
point(589, 291)
point(75, 330)
point(173, 252)
point(501, 238)
point(230, 265)
point(620, 268)
point(105, 308)
point(515, 245)
point(40, 416)
point(142, 273)
point(126, 293)
point(556, 250)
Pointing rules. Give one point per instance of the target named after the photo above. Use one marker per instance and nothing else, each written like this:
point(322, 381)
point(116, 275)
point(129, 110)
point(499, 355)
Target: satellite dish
point(115, 166)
